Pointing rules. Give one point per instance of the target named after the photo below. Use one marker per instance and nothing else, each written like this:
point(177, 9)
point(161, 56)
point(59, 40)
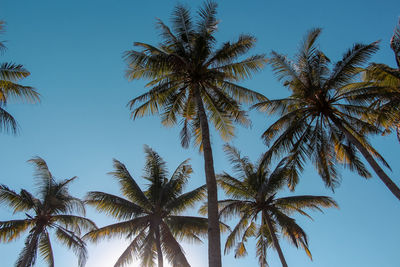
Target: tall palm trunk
point(275, 240)
point(158, 246)
point(214, 241)
point(372, 162)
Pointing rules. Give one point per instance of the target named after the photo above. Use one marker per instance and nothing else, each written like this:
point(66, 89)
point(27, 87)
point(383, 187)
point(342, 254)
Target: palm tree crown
point(51, 210)
point(186, 67)
point(193, 82)
point(150, 218)
point(254, 195)
point(10, 74)
point(323, 117)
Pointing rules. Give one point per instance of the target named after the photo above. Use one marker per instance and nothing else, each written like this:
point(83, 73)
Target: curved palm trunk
point(158, 245)
point(214, 241)
point(372, 162)
point(275, 240)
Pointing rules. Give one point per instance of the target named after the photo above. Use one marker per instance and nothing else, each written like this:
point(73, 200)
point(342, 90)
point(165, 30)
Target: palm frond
point(115, 206)
point(185, 201)
point(75, 223)
point(128, 186)
point(11, 230)
point(300, 202)
point(12, 72)
point(45, 249)
point(187, 228)
point(27, 256)
point(173, 251)
point(7, 122)
point(345, 69)
point(18, 202)
point(132, 250)
point(73, 242)
point(121, 229)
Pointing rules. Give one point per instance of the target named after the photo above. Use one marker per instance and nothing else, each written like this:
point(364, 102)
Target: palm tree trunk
point(275, 240)
point(372, 162)
point(214, 241)
point(158, 245)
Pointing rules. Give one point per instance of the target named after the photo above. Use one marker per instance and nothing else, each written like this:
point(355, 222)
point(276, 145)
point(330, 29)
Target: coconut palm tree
point(193, 82)
point(151, 218)
point(10, 74)
point(262, 214)
point(322, 119)
point(51, 209)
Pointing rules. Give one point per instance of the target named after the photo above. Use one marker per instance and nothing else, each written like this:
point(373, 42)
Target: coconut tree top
point(151, 219)
point(50, 210)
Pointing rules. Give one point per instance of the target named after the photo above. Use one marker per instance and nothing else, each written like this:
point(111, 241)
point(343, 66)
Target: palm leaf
point(46, 249)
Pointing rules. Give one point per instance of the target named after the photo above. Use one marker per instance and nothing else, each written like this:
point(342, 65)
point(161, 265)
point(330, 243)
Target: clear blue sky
point(73, 50)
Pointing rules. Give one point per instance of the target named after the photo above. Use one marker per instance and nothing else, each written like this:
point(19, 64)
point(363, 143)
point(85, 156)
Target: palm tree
point(10, 74)
point(253, 193)
point(386, 96)
point(151, 218)
point(322, 119)
point(50, 211)
point(193, 83)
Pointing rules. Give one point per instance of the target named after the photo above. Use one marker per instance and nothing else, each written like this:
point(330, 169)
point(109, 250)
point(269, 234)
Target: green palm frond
point(42, 173)
point(231, 207)
point(18, 202)
point(185, 201)
point(241, 165)
point(178, 179)
point(240, 250)
point(27, 256)
point(262, 244)
point(12, 72)
point(14, 91)
point(11, 230)
point(300, 202)
point(148, 252)
point(229, 51)
point(187, 228)
point(173, 251)
point(344, 70)
point(232, 186)
point(128, 186)
point(73, 242)
point(121, 229)
point(133, 249)
point(235, 236)
point(243, 69)
point(182, 23)
point(45, 249)
point(293, 231)
point(75, 223)
point(207, 23)
point(115, 206)
point(7, 122)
